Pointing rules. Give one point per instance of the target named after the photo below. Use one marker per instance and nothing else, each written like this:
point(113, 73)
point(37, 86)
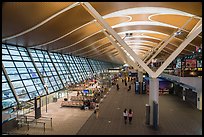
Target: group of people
point(129, 87)
point(128, 115)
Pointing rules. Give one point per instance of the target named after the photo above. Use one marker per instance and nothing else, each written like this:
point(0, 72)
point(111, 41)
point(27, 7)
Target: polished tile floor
point(66, 120)
point(176, 117)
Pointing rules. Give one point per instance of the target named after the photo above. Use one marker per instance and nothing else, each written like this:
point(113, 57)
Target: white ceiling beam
point(110, 30)
point(199, 22)
point(167, 41)
point(188, 39)
point(121, 52)
point(147, 53)
point(151, 52)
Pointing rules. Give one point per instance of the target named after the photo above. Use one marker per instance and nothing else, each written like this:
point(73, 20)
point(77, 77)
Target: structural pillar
point(154, 97)
point(140, 80)
point(199, 100)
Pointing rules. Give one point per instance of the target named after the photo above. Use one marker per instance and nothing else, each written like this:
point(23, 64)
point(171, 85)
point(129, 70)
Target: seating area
point(72, 103)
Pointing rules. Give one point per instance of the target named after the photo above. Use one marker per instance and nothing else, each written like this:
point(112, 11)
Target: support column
point(199, 100)
point(153, 97)
point(140, 81)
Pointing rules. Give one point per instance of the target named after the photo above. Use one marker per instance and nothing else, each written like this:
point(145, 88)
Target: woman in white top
point(125, 115)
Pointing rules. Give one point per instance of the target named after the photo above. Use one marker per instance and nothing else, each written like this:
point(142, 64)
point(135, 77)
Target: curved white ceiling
point(147, 10)
point(152, 23)
point(141, 31)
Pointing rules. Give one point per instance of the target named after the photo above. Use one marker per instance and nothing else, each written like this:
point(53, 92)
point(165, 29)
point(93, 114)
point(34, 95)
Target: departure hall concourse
point(72, 68)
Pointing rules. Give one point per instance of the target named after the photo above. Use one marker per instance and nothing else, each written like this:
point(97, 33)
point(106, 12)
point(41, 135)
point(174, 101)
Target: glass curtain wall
point(79, 69)
point(92, 63)
point(73, 68)
point(62, 68)
point(25, 79)
point(8, 99)
point(21, 72)
point(87, 67)
point(46, 69)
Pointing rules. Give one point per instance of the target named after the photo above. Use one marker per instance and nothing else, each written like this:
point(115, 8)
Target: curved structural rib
point(43, 22)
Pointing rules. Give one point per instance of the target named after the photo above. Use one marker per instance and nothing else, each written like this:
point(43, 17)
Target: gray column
point(199, 100)
point(140, 80)
point(140, 76)
point(184, 94)
point(153, 96)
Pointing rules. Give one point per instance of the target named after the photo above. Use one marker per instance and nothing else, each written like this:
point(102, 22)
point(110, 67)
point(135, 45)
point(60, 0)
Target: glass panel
point(35, 59)
point(5, 86)
point(21, 49)
point(19, 64)
point(18, 58)
point(12, 47)
point(8, 102)
point(26, 59)
point(6, 57)
point(23, 97)
point(25, 76)
point(14, 52)
point(33, 94)
point(17, 84)
point(4, 51)
point(22, 70)
point(24, 54)
point(20, 91)
point(28, 82)
point(29, 64)
point(3, 78)
point(14, 77)
point(8, 64)
point(12, 71)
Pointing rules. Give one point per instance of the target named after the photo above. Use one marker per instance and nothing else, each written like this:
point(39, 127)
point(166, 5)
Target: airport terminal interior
point(101, 68)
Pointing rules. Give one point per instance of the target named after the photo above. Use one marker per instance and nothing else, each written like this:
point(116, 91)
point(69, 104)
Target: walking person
point(125, 115)
point(77, 93)
point(117, 86)
point(130, 114)
point(129, 87)
point(125, 82)
point(96, 111)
